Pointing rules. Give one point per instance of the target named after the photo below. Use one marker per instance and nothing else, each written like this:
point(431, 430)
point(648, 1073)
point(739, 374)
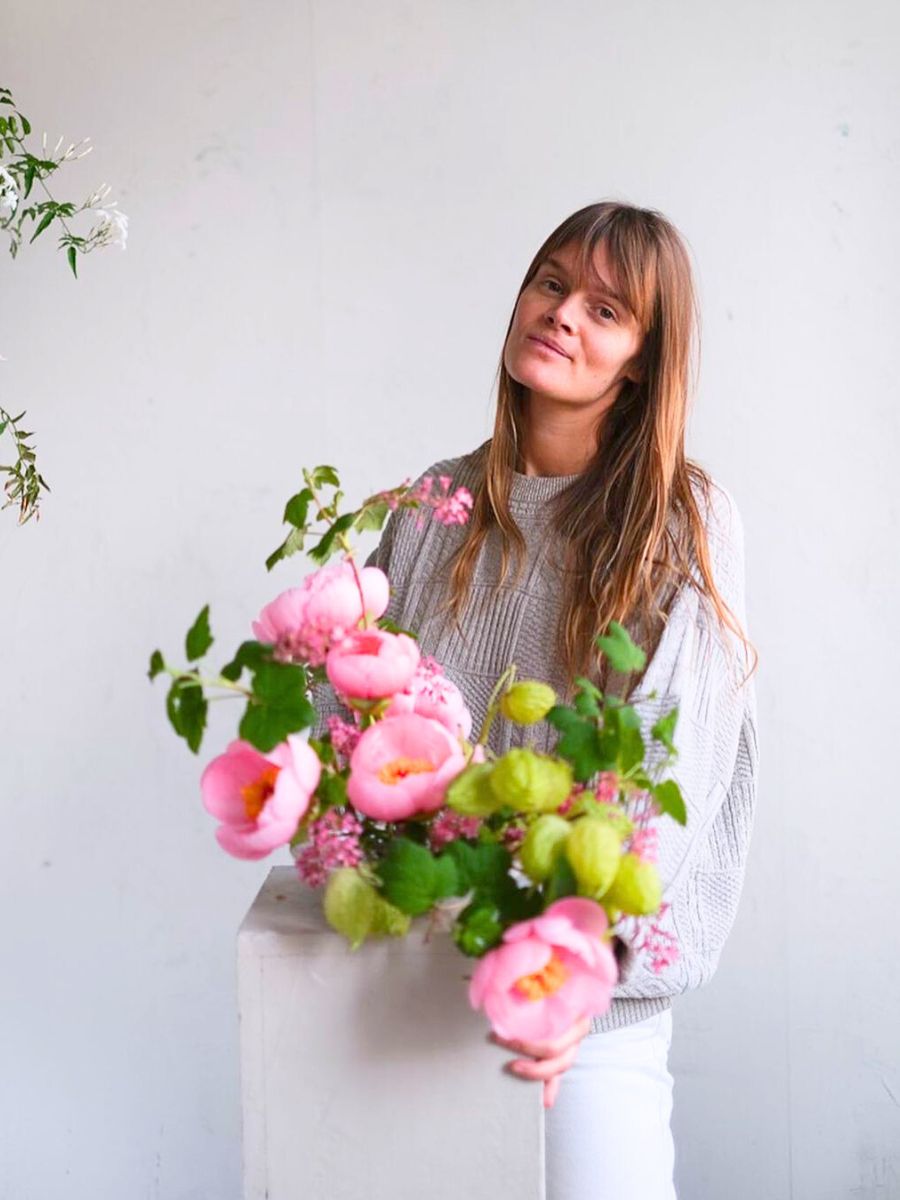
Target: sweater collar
point(532, 490)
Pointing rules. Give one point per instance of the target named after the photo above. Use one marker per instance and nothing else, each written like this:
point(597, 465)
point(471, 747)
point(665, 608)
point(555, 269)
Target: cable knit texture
point(701, 864)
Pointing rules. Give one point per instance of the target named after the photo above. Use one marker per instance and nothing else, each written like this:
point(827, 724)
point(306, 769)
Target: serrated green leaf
point(249, 654)
point(561, 882)
point(408, 877)
point(332, 789)
point(623, 655)
point(670, 800)
point(325, 474)
point(296, 509)
point(199, 638)
point(321, 552)
point(371, 516)
point(580, 744)
point(157, 664)
point(277, 707)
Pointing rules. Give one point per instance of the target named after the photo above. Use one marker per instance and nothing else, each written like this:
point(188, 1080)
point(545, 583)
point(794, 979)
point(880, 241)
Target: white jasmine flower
point(9, 194)
point(112, 228)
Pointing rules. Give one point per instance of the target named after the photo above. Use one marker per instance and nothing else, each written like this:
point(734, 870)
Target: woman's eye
point(602, 308)
point(553, 283)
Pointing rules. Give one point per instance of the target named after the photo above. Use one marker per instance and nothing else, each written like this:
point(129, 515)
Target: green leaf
point(580, 744)
point(72, 254)
point(371, 516)
point(249, 654)
point(664, 729)
point(483, 866)
point(296, 508)
point(292, 544)
point(409, 877)
point(157, 664)
point(332, 789)
point(670, 800)
point(322, 475)
point(321, 552)
point(623, 655)
point(186, 707)
point(478, 928)
point(29, 179)
point(48, 216)
point(277, 707)
point(631, 743)
point(26, 125)
point(199, 638)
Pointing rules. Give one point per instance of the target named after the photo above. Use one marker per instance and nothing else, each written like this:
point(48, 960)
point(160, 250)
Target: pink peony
point(305, 621)
point(401, 766)
point(431, 694)
point(259, 798)
point(371, 664)
point(547, 973)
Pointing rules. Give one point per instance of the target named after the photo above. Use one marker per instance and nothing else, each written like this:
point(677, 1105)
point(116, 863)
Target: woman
point(585, 479)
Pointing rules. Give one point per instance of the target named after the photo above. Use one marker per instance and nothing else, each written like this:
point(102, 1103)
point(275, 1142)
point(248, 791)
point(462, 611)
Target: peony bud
point(593, 850)
point(531, 782)
point(542, 846)
point(636, 888)
point(527, 701)
point(350, 905)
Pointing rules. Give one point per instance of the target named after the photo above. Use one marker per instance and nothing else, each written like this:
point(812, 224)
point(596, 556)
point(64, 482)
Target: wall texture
point(331, 207)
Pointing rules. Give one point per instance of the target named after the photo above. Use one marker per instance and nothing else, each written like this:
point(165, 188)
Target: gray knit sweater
point(701, 864)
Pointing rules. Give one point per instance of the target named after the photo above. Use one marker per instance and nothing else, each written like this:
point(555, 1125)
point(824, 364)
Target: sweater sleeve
point(701, 667)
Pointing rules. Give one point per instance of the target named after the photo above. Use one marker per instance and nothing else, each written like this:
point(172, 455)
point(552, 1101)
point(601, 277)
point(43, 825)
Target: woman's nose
point(560, 315)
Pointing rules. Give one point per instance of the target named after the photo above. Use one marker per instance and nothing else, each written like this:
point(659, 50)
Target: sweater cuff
point(627, 1012)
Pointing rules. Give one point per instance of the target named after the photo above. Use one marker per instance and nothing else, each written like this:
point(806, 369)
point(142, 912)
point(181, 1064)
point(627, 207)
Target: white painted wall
point(331, 207)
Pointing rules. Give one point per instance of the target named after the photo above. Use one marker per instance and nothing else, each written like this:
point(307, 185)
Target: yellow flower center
point(545, 982)
point(399, 768)
point(256, 794)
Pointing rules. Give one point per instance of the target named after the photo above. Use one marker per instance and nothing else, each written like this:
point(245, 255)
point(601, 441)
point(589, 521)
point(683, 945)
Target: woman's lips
point(542, 345)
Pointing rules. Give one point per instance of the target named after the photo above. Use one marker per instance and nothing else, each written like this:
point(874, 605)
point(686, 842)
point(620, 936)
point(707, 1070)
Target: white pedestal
point(365, 1075)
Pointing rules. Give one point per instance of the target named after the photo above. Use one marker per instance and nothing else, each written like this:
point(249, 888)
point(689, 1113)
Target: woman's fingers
point(551, 1090)
point(551, 1049)
point(544, 1068)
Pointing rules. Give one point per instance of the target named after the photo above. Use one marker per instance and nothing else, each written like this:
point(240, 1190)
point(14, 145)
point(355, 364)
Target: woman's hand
point(553, 1058)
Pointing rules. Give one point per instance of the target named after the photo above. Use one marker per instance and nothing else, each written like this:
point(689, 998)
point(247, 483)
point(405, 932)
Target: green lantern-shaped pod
point(636, 889)
point(542, 846)
point(594, 851)
point(527, 701)
point(350, 905)
point(531, 782)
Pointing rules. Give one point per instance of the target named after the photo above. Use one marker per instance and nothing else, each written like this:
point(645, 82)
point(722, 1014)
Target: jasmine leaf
point(157, 664)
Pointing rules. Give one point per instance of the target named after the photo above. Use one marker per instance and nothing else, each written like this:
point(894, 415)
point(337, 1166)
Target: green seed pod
point(469, 793)
point(637, 888)
point(527, 701)
point(542, 846)
point(350, 904)
point(531, 782)
point(389, 920)
point(594, 850)
point(478, 928)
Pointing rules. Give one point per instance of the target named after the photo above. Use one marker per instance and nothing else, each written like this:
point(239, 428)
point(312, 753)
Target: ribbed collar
point(532, 490)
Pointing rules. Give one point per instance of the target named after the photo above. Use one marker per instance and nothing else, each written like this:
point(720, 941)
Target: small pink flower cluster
point(448, 825)
point(333, 842)
point(344, 736)
point(659, 943)
point(449, 508)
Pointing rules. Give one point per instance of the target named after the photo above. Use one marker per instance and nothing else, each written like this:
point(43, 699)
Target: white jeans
point(607, 1137)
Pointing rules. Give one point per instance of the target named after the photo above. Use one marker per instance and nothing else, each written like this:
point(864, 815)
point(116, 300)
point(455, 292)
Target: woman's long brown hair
point(629, 524)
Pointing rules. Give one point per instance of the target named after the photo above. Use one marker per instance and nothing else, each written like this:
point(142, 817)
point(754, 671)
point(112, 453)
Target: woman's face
point(596, 336)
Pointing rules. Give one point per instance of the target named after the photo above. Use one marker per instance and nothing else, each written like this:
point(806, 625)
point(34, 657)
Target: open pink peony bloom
point(259, 798)
point(432, 694)
point(305, 621)
point(403, 765)
point(547, 973)
point(370, 664)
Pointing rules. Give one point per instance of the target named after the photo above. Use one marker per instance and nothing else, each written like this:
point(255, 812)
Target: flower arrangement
point(541, 866)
